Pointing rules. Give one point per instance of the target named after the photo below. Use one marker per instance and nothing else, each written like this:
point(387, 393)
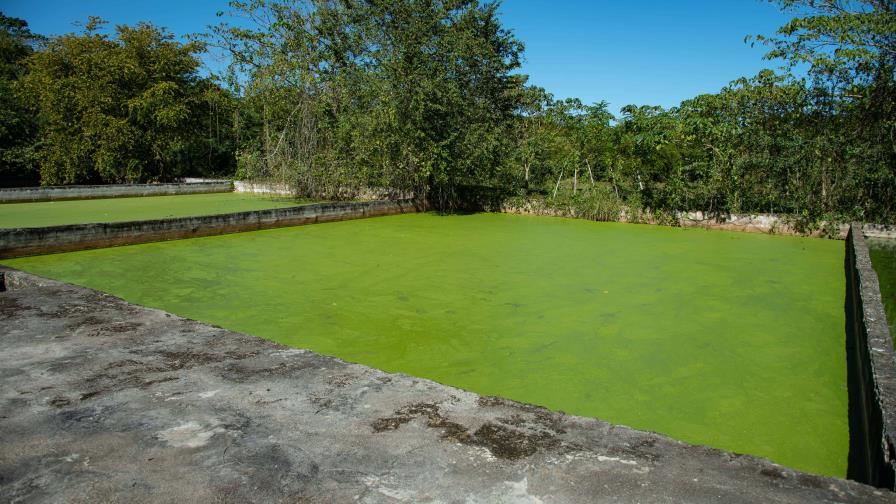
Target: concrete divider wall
point(58, 193)
point(345, 193)
point(31, 241)
point(871, 371)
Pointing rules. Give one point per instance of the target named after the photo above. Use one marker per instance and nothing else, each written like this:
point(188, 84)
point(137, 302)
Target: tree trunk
point(590, 173)
point(558, 183)
point(613, 178)
point(575, 179)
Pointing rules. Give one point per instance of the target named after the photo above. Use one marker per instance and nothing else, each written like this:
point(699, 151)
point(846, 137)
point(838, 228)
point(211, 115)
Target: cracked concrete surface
point(105, 401)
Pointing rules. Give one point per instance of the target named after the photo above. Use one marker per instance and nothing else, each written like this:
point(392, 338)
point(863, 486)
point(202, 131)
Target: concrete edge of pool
point(20, 242)
point(103, 400)
point(27, 241)
point(871, 370)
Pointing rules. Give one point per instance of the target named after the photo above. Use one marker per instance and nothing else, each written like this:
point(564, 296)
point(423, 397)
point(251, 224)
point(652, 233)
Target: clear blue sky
point(656, 52)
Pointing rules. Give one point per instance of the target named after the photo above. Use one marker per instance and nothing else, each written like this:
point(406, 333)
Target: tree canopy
point(339, 98)
point(404, 95)
point(128, 108)
point(18, 127)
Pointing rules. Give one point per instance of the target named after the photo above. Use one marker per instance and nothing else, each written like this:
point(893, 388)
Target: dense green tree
point(849, 47)
point(336, 98)
point(818, 147)
point(125, 109)
point(532, 132)
point(846, 44)
point(17, 123)
point(407, 95)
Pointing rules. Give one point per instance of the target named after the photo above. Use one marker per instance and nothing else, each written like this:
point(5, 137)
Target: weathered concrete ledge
point(871, 371)
point(879, 230)
point(18, 242)
point(105, 401)
point(58, 193)
point(760, 223)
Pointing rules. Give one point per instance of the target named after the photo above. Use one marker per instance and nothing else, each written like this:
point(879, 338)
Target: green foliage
point(342, 98)
point(406, 95)
point(818, 149)
point(17, 123)
point(123, 109)
point(845, 43)
point(849, 48)
point(596, 202)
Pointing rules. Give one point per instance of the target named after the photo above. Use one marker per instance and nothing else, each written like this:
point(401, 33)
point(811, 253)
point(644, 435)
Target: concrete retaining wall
point(346, 193)
point(57, 193)
point(32, 241)
point(748, 223)
point(261, 188)
point(759, 223)
point(871, 371)
point(777, 224)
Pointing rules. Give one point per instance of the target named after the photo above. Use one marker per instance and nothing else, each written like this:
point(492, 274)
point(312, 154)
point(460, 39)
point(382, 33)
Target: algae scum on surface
point(56, 213)
point(725, 339)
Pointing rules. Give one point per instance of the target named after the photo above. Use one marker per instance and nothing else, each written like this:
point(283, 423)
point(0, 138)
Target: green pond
point(726, 339)
point(55, 213)
point(883, 258)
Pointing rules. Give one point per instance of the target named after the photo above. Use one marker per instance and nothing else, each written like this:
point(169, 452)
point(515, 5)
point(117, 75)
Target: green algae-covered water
point(55, 213)
point(883, 258)
point(726, 339)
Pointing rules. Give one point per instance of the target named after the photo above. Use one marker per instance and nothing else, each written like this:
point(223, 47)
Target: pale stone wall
point(57, 193)
point(363, 194)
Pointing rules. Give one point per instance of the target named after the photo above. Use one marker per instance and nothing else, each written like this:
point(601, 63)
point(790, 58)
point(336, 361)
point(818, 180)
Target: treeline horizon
point(424, 96)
